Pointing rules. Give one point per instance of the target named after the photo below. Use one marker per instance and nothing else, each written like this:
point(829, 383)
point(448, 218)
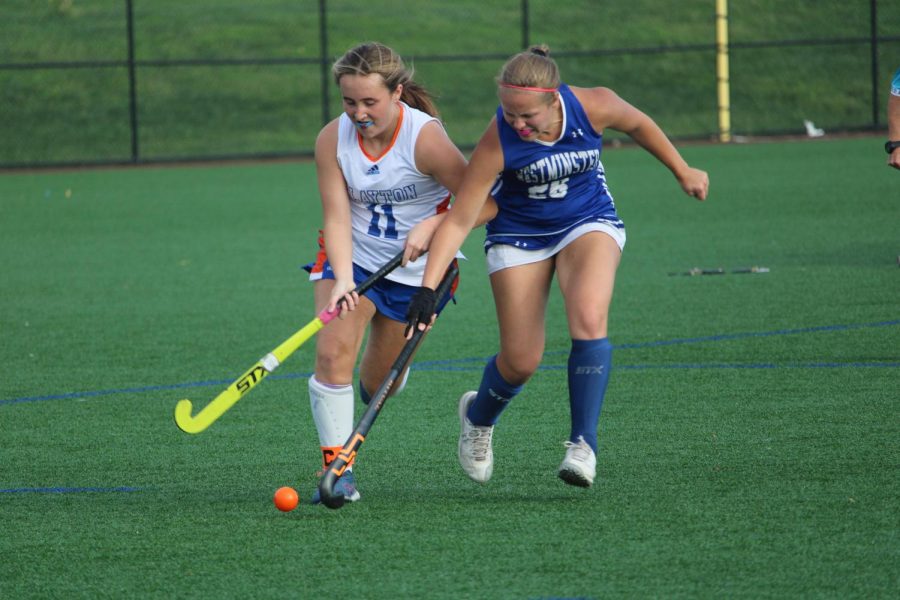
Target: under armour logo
point(497, 396)
point(373, 170)
point(589, 370)
point(577, 133)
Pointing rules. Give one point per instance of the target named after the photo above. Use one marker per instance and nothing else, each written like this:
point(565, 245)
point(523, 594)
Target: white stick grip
point(269, 362)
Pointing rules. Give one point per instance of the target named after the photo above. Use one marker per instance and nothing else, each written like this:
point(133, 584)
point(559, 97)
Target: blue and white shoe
point(579, 467)
point(345, 485)
point(476, 455)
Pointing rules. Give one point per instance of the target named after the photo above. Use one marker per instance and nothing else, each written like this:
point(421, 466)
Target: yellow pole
point(723, 85)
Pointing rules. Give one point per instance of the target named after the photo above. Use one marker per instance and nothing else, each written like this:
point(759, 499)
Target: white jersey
point(388, 194)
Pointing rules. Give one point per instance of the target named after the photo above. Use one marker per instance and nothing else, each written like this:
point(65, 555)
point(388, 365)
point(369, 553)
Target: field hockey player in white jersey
point(386, 170)
point(556, 218)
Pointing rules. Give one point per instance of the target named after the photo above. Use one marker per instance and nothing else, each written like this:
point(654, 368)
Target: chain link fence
point(135, 81)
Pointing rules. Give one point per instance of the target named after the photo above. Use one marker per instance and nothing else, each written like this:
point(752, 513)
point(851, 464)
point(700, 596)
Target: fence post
point(873, 18)
point(722, 77)
point(323, 61)
point(525, 25)
point(132, 83)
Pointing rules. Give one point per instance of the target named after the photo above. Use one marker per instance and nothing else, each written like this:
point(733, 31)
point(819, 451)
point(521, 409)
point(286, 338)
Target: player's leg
point(386, 335)
point(386, 340)
point(586, 270)
point(520, 296)
point(331, 386)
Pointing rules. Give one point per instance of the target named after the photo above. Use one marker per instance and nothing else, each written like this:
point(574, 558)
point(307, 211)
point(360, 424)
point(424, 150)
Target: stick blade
point(215, 409)
point(185, 421)
point(326, 492)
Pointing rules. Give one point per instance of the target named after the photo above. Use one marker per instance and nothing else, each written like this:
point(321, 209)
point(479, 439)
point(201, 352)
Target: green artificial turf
point(748, 438)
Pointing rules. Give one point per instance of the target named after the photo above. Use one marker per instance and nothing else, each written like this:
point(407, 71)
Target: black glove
point(421, 309)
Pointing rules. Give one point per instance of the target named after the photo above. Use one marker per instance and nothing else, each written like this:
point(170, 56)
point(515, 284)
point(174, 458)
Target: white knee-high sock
point(332, 410)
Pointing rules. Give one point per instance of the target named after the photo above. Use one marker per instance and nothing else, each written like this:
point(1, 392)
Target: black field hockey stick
point(208, 414)
point(340, 463)
point(721, 271)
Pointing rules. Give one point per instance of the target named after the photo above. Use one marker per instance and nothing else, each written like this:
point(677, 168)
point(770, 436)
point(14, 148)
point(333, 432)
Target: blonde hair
point(531, 69)
point(375, 58)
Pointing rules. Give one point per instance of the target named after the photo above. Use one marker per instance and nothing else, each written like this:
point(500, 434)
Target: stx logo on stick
point(251, 378)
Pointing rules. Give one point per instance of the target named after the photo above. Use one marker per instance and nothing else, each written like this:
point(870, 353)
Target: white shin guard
point(332, 409)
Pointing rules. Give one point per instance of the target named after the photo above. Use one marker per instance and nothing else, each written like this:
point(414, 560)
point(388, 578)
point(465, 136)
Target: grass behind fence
point(748, 439)
point(202, 110)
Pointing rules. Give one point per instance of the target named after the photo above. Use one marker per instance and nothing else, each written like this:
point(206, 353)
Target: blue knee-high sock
point(363, 394)
point(493, 396)
point(589, 364)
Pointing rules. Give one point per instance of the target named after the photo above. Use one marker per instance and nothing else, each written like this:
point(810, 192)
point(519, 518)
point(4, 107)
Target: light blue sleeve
point(895, 84)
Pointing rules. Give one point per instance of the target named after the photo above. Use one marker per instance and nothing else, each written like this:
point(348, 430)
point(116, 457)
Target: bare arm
point(473, 203)
point(335, 214)
point(607, 110)
point(438, 156)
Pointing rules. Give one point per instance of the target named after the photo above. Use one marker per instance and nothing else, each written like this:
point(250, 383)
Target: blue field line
point(814, 365)
point(141, 389)
point(477, 363)
point(133, 390)
point(68, 490)
point(757, 334)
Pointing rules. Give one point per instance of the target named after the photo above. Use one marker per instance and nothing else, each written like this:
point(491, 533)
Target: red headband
point(529, 89)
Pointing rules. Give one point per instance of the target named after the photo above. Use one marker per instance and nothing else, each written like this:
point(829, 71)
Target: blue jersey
point(548, 188)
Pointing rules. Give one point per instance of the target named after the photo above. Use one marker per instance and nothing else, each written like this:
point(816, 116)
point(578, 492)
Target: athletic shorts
point(390, 298)
point(504, 256)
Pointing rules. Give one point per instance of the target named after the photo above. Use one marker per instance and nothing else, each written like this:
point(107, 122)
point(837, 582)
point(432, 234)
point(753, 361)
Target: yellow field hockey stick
point(208, 414)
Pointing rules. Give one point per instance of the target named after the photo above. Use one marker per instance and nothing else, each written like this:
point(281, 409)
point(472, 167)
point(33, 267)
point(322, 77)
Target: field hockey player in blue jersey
point(556, 218)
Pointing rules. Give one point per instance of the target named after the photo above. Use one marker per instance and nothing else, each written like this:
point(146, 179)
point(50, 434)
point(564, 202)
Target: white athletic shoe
point(475, 453)
point(579, 467)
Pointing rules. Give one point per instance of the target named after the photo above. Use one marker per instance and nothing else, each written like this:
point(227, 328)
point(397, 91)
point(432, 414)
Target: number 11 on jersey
point(390, 229)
